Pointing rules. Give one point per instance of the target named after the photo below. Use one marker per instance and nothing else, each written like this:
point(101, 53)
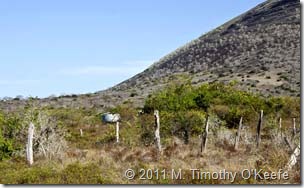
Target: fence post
point(259, 127)
point(238, 134)
point(29, 145)
point(293, 158)
point(157, 134)
point(294, 128)
point(205, 136)
point(117, 132)
point(280, 128)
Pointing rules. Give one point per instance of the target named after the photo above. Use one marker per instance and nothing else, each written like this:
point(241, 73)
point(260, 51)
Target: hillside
point(260, 49)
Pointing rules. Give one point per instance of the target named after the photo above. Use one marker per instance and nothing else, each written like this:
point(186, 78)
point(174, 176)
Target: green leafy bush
point(225, 101)
point(9, 130)
point(77, 173)
point(108, 137)
point(174, 98)
point(21, 173)
point(6, 148)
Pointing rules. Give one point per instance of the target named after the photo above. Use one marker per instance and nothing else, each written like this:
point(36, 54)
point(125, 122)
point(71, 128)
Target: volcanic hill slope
point(260, 49)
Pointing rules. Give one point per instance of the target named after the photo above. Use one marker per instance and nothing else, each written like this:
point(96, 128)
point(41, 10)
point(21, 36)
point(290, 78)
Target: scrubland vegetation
point(260, 49)
point(62, 155)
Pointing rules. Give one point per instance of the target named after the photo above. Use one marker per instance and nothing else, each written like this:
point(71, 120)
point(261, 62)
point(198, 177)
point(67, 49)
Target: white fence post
point(294, 127)
point(280, 133)
point(238, 134)
point(205, 136)
point(157, 134)
point(293, 158)
point(29, 145)
point(117, 132)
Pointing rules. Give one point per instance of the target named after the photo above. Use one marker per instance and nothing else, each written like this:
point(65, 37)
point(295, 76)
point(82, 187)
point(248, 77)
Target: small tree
point(49, 138)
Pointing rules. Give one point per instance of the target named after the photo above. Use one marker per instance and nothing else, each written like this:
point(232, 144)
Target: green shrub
point(21, 173)
point(175, 98)
point(38, 175)
point(77, 173)
point(227, 102)
point(7, 136)
point(6, 148)
point(108, 137)
point(133, 94)
point(130, 133)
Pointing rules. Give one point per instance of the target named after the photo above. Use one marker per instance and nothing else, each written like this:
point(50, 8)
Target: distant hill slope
point(264, 42)
point(260, 49)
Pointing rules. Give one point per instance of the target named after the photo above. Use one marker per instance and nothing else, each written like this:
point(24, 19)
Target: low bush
point(226, 101)
point(77, 173)
point(6, 148)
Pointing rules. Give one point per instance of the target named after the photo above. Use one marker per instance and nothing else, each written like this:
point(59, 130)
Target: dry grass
point(108, 163)
point(114, 159)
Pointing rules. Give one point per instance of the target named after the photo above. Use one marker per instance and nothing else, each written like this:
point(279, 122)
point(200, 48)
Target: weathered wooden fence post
point(29, 145)
point(157, 133)
point(205, 136)
point(280, 128)
point(238, 134)
point(294, 132)
point(259, 128)
point(117, 132)
point(293, 158)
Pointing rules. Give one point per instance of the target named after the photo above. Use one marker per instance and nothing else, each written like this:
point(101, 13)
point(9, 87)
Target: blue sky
point(72, 46)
